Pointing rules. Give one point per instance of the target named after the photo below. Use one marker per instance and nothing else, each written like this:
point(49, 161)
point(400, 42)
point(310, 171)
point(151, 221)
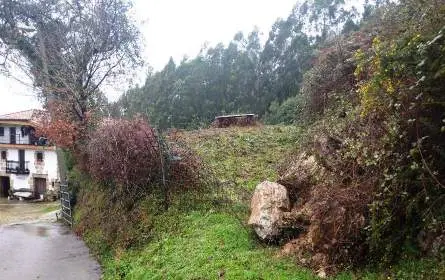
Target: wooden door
point(4, 186)
point(39, 186)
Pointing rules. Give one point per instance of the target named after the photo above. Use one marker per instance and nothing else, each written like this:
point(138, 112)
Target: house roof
point(33, 115)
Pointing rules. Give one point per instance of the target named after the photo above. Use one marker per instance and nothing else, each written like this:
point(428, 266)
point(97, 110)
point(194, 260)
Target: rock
point(327, 150)
point(301, 172)
point(269, 202)
point(321, 273)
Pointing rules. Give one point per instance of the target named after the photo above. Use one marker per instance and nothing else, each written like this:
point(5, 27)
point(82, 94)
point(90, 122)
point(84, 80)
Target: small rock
point(321, 273)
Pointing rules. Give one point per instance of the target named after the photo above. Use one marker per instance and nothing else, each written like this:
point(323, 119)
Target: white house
point(27, 163)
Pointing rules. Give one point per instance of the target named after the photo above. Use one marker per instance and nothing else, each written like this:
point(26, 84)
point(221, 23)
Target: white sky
point(173, 28)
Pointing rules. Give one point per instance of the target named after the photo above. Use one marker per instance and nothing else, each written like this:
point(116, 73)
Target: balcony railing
point(17, 167)
point(27, 140)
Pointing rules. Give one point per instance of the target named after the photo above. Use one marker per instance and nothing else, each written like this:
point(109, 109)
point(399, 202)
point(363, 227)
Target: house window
point(3, 155)
point(2, 131)
point(39, 156)
point(25, 131)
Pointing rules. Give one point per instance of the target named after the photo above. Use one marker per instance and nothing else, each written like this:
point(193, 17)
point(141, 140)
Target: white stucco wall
point(47, 169)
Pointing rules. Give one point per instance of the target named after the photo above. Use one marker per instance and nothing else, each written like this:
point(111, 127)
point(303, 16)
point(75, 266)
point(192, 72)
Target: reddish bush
point(125, 152)
point(57, 125)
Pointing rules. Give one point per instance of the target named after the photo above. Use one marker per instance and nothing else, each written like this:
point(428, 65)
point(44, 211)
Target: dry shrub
point(333, 218)
point(332, 73)
point(330, 191)
point(133, 160)
point(136, 175)
point(382, 188)
point(184, 167)
point(344, 198)
point(126, 153)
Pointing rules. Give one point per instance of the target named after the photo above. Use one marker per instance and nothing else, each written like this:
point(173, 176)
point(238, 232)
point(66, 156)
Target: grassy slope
point(246, 156)
point(212, 244)
point(205, 246)
point(208, 243)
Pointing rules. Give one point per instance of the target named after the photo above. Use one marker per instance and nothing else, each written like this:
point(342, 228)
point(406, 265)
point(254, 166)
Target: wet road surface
point(44, 250)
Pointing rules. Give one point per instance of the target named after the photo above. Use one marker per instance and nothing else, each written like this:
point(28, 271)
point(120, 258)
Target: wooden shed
point(235, 120)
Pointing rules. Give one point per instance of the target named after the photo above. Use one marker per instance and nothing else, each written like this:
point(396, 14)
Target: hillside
point(198, 239)
point(356, 156)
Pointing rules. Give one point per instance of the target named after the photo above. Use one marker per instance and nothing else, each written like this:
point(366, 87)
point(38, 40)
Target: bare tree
point(69, 48)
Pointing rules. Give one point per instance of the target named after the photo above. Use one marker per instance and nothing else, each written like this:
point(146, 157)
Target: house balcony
point(17, 167)
point(27, 140)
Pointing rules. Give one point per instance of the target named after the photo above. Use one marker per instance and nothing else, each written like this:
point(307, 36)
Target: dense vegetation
point(200, 237)
point(378, 96)
point(364, 94)
point(373, 86)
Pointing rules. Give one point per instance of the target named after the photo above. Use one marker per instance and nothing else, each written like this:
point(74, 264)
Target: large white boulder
point(269, 203)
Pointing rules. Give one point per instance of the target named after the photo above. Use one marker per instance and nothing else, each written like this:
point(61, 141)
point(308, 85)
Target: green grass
point(407, 269)
point(204, 246)
point(208, 242)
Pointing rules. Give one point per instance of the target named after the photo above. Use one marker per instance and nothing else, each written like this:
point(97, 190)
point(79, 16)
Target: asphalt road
point(44, 250)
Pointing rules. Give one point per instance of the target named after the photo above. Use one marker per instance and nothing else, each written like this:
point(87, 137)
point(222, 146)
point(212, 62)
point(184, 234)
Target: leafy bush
point(288, 112)
point(401, 84)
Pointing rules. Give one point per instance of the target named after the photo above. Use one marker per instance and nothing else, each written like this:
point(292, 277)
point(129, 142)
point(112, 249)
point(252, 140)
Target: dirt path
point(42, 248)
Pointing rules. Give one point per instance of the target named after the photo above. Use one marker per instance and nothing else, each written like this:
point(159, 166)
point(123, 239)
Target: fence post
point(164, 153)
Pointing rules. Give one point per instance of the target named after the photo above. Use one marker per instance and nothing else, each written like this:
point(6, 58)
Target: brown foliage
point(184, 167)
point(138, 174)
point(125, 152)
point(59, 126)
point(132, 160)
point(331, 190)
point(333, 218)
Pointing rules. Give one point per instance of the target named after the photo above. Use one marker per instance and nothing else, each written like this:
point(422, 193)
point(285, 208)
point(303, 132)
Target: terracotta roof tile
point(28, 115)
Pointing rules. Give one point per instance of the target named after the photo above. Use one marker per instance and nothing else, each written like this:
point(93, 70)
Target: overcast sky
point(173, 28)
